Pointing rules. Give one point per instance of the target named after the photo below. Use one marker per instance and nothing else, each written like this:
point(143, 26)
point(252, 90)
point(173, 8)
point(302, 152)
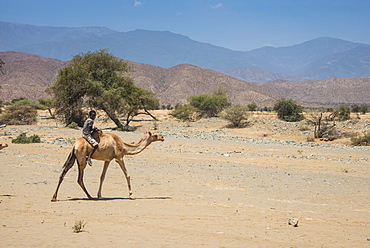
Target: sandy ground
point(192, 191)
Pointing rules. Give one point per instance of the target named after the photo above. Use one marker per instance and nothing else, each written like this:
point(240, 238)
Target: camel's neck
point(139, 147)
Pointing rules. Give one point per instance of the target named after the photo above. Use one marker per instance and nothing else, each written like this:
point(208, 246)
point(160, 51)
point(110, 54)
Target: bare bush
point(19, 115)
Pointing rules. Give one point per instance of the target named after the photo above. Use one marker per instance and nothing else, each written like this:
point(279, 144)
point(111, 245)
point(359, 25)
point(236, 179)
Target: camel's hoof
point(54, 200)
point(132, 197)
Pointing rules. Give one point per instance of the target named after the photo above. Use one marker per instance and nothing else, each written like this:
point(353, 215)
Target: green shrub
point(235, 114)
point(73, 125)
point(344, 113)
point(23, 139)
point(364, 108)
point(288, 110)
point(185, 113)
point(210, 105)
point(252, 107)
point(361, 141)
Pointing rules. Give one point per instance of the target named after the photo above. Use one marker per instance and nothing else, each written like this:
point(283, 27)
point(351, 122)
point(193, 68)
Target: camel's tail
point(70, 160)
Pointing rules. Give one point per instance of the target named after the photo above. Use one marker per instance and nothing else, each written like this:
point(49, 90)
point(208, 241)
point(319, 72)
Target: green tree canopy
point(252, 107)
point(288, 110)
point(210, 105)
point(344, 112)
point(98, 80)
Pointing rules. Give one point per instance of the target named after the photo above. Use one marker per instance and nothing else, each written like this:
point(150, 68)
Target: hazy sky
point(236, 24)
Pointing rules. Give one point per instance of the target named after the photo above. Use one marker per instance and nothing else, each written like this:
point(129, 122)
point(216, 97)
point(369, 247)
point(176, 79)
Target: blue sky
point(236, 24)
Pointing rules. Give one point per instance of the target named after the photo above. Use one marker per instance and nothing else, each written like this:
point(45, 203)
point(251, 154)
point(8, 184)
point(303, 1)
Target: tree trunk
point(114, 118)
point(146, 111)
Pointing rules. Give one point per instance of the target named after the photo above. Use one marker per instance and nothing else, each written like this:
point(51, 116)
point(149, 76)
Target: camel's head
point(155, 137)
point(2, 146)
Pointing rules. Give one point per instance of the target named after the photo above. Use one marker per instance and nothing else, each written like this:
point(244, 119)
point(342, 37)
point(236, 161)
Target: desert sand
point(206, 185)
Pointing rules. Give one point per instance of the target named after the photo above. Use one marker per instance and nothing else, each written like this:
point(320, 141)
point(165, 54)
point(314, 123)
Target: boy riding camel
point(87, 130)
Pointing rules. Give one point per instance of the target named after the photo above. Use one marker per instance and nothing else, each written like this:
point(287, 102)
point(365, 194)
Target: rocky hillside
point(176, 84)
point(29, 75)
point(258, 75)
point(332, 91)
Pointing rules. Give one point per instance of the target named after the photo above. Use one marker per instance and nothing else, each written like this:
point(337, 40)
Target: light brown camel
point(111, 147)
point(2, 146)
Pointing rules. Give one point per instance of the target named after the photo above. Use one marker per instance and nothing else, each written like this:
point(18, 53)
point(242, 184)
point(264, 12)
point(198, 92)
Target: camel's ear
point(150, 133)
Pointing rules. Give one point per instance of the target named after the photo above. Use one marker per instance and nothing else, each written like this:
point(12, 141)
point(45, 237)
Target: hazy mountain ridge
point(174, 85)
point(258, 75)
point(28, 75)
point(332, 91)
point(307, 60)
point(16, 35)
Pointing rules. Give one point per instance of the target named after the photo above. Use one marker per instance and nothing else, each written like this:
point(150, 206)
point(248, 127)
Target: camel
point(111, 147)
point(2, 146)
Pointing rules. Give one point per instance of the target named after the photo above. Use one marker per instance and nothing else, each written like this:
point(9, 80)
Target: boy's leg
point(94, 144)
point(88, 159)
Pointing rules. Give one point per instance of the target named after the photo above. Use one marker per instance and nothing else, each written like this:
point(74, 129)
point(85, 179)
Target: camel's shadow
point(119, 198)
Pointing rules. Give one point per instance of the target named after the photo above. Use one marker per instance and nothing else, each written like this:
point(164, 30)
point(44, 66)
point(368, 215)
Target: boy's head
point(92, 114)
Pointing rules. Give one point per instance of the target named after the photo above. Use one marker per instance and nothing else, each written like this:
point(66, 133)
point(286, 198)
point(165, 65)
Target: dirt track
point(203, 186)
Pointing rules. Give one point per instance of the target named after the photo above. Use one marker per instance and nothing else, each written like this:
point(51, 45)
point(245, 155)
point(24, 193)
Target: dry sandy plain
point(204, 186)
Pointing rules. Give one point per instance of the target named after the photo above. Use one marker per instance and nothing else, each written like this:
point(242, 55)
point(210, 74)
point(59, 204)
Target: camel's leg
point(61, 177)
point(80, 180)
point(123, 167)
point(102, 177)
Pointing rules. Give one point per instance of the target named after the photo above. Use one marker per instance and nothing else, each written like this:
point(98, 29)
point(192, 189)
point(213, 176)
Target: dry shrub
point(361, 141)
point(78, 226)
point(19, 115)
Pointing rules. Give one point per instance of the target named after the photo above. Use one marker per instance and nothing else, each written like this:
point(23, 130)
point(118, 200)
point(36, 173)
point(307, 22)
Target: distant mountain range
point(326, 92)
point(28, 75)
point(320, 58)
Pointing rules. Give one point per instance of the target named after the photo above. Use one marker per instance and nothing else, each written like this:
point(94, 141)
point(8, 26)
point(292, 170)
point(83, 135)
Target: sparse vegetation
point(23, 139)
point(344, 112)
point(47, 103)
point(210, 105)
point(79, 226)
point(235, 114)
point(310, 139)
point(361, 141)
point(363, 108)
point(288, 110)
point(22, 101)
point(185, 113)
point(252, 107)
point(19, 115)
point(73, 125)
point(325, 127)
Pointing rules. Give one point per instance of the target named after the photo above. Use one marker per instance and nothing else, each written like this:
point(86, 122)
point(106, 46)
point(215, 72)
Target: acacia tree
point(98, 80)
